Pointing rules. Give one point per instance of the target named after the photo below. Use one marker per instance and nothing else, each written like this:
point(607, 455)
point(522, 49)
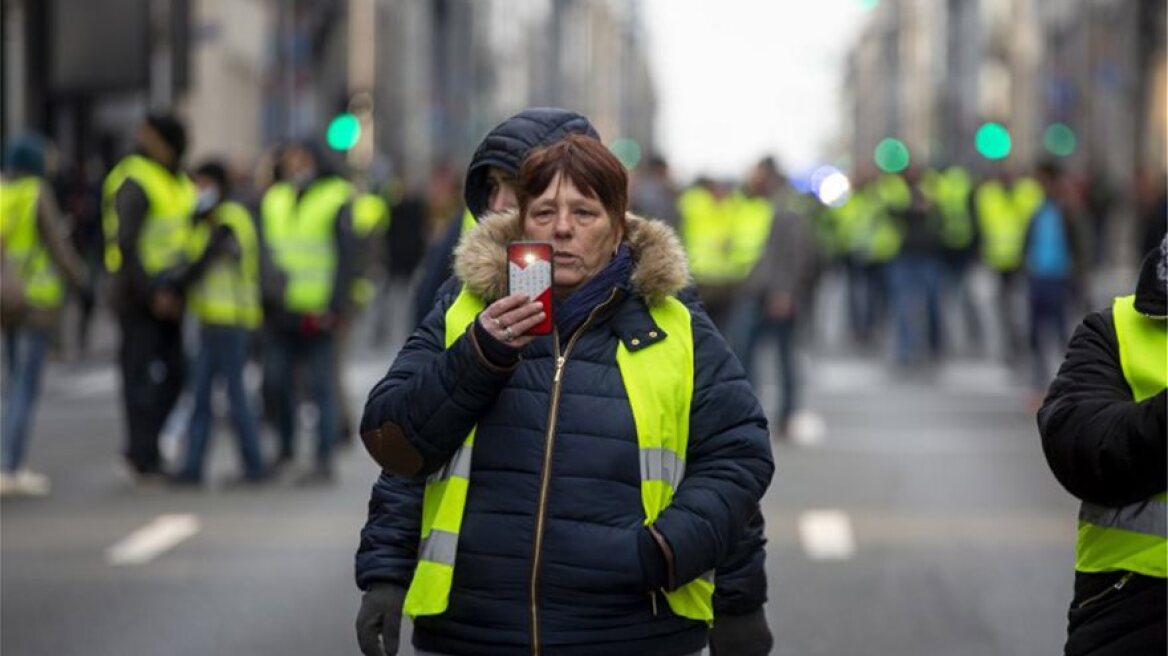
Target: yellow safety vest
point(888, 194)
point(23, 248)
point(659, 382)
point(1133, 538)
point(370, 220)
point(228, 293)
point(707, 232)
point(1004, 216)
point(162, 243)
point(949, 190)
point(300, 235)
point(753, 218)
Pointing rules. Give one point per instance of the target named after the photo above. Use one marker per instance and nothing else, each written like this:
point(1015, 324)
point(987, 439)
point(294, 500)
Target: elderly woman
point(581, 486)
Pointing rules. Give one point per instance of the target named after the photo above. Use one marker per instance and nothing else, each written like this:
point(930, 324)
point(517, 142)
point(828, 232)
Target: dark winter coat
point(1107, 449)
point(595, 577)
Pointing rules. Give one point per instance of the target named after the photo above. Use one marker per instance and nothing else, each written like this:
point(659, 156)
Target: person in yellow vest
point(37, 265)
point(773, 297)
point(225, 297)
point(914, 272)
point(307, 232)
point(950, 190)
point(1003, 207)
point(370, 222)
point(711, 213)
point(147, 205)
point(1104, 434)
point(615, 461)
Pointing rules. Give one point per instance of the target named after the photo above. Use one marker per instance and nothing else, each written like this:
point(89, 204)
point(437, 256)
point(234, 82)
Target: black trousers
point(153, 373)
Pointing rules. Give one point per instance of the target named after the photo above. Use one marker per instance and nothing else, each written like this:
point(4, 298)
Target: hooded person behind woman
point(503, 148)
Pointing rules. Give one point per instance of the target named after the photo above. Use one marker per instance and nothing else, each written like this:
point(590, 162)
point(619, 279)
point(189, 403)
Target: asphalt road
point(922, 519)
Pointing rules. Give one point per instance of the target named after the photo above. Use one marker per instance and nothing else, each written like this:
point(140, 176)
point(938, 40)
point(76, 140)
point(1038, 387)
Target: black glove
point(741, 635)
point(379, 620)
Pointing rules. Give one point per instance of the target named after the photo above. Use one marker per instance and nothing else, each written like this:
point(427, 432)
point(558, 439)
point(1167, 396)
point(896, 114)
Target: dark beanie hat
point(171, 130)
point(25, 155)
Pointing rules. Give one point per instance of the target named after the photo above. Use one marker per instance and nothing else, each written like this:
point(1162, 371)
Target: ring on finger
point(507, 335)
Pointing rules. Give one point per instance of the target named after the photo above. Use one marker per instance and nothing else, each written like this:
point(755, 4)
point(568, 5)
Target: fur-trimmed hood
point(659, 261)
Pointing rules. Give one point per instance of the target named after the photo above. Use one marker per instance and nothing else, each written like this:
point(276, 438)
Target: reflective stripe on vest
point(23, 248)
point(659, 382)
point(162, 243)
point(300, 234)
point(1132, 538)
point(228, 293)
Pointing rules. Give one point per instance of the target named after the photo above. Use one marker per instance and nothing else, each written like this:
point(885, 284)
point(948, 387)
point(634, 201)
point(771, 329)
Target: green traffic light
point(627, 151)
point(891, 155)
point(1059, 139)
point(993, 141)
point(343, 132)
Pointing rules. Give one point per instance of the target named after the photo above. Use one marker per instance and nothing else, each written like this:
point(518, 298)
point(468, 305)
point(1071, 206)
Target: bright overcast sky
point(740, 79)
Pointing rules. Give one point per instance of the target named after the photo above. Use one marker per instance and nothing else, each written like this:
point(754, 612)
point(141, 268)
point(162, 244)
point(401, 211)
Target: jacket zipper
point(545, 475)
point(1114, 587)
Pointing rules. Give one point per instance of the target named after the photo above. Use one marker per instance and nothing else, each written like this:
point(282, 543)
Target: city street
point(922, 521)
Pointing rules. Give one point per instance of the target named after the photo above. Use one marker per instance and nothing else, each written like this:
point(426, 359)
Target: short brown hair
point(587, 163)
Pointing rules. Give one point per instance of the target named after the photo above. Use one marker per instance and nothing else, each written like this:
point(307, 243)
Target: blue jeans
point(284, 353)
point(914, 283)
point(25, 358)
point(1048, 322)
point(222, 352)
point(747, 326)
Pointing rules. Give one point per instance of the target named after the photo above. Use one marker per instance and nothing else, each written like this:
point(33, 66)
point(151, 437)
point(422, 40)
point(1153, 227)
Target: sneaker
point(32, 484)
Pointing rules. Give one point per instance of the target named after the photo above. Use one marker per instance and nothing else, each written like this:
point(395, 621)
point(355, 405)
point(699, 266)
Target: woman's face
point(584, 235)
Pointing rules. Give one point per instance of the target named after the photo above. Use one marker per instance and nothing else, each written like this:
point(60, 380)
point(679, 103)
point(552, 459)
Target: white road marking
point(152, 540)
point(826, 535)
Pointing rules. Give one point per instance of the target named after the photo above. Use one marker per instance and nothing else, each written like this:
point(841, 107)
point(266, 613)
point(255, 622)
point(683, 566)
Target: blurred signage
point(98, 46)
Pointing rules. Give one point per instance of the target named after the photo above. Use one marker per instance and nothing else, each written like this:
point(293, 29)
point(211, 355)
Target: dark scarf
point(570, 312)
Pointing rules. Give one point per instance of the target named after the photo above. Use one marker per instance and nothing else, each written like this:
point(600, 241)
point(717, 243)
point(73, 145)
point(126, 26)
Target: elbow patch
point(389, 448)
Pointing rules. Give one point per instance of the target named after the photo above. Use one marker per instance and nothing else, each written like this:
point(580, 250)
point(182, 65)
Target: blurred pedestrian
point(950, 191)
point(1103, 431)
point(147, 205)
point(1004, 205)
point(653, 192)
point(307, 229)
point(403, 250)
point(37, 264)
point(914, 272)
point(773, 298)
point(611, 572)
point(370, 220)
point(1054, 253)
point(225, 297)
point(82, 202)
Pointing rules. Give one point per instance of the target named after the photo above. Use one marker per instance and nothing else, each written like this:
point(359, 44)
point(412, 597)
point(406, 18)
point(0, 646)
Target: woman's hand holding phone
point(509, 318)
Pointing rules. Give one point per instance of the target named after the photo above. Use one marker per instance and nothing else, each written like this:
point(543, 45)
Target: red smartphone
point(529, 271)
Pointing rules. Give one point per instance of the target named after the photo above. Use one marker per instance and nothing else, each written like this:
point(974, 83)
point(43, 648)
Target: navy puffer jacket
point(590, 588)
